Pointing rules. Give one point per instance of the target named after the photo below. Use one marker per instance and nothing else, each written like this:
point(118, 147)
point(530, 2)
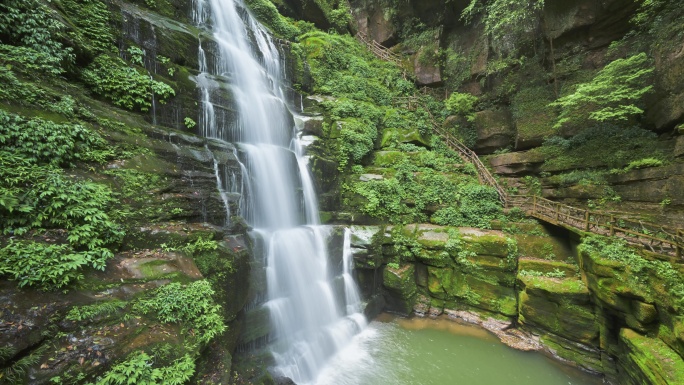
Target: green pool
point(422, 352)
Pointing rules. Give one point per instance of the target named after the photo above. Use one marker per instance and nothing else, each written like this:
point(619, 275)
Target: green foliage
point(580, 177)
point(43, 141)
point(639, 271)
point(613, 95)
point(356, 140)
point(47, 266)
point(191, 306)
point(419, 186)
point(268, 14)
point(136, 55)
point(201, 245)
point(478, 206)
point(93, 30)
point(189, 122)
point(43, 197)
point(461, 104)
point(556, 273)
point(15, 373)
point(505, 20)
point(644, 163)
point(125, 86)
point(138, 369)
point(531, 110)
point(28, 61)
point(604, 145)
point(533, 185)
point(90, 312)
point(30, 23)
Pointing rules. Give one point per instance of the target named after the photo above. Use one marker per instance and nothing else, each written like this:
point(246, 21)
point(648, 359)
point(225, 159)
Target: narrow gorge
point(341, 192)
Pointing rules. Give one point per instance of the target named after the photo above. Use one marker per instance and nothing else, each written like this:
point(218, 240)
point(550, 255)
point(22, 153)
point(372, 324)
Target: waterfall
point(314, 310)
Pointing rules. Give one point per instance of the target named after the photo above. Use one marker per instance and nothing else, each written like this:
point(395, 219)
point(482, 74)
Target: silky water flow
point(312, 319)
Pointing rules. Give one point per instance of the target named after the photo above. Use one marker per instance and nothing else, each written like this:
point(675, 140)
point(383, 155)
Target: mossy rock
point(438, 278)
point(432, 237)
point(401, 284)
point(490, 296)
point(543, 247)
point(490, 243)
point(672, 332)
point(394, 136)
point(388, 158)
point(585, 357)
point(648, 361)
point(257, 325)
point(493, 265)
point(434, 258)
point(172, 235)
point(545, 266)
point(559, 306)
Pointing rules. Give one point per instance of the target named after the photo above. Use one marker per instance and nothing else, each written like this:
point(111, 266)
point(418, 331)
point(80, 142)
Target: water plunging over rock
point(311, 323)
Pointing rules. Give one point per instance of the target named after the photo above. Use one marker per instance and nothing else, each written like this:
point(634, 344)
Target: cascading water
point(312, 318)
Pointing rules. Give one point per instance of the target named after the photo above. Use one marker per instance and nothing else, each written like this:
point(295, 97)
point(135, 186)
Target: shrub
point(43, 197)
point(613, 95)
point(461, 104)
point(138, 369)
point(124, 86)
point(191, 306)
point(49, 267)
point(44, 141)
point(644, 163)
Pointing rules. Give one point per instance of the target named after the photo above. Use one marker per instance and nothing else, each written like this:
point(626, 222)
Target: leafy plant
point(136, 55)
point(189, 122)
point(89, 312)
point(191, 306)
point(461, 104)
point(30, 23)
point(138, 369)
point(47, 266)
point(504, 20)
point(43, 141)
point(644, 163)
point(613, 95)
point(124, 86)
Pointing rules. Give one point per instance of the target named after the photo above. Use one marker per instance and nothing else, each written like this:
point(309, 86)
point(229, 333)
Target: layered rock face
point(585, 309)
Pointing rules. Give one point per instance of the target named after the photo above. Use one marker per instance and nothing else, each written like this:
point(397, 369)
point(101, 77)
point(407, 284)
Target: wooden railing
point(656, 238)
point(468, 155)
point(382, 52)
point(471, 157)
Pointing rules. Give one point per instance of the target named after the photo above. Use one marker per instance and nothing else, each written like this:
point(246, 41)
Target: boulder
point(428, 73)
point(648, 361)
point(495, 130)
point(517, 163)
point(401, 285)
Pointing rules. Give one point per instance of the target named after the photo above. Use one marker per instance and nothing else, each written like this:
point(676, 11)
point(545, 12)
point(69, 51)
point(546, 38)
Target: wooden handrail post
point(678, 245)
point(557, 212)
point(586, 220)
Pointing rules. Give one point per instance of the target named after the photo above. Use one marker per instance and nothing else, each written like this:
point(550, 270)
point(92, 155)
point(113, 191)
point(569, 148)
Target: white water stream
point(314, 313)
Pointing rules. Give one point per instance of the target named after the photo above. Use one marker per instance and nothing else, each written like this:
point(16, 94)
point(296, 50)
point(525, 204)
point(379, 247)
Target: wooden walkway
point(380, 51)
point(655, 238)
point(652, 237)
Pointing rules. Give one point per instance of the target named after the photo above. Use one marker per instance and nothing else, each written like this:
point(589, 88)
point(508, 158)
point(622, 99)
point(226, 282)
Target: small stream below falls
point(420, 351)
